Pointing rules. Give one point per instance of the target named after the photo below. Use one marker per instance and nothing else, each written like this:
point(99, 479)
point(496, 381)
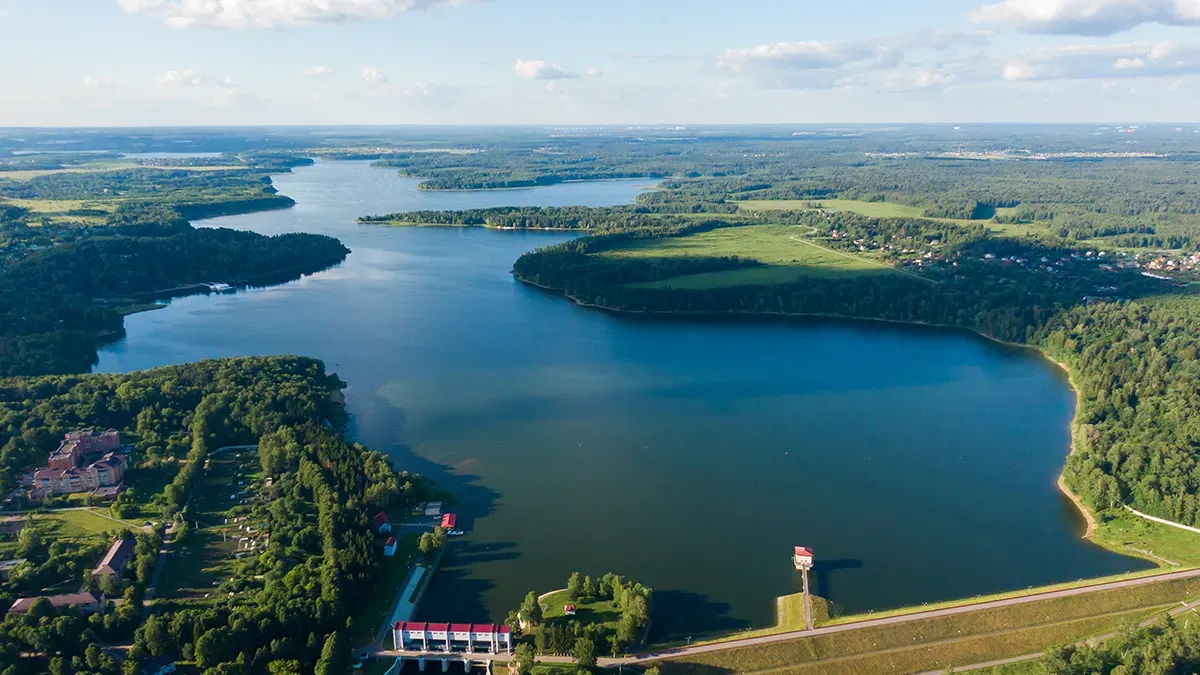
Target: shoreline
point(1089, 518)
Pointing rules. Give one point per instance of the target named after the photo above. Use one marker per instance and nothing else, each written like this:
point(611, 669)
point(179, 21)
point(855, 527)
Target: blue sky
point(172, 62)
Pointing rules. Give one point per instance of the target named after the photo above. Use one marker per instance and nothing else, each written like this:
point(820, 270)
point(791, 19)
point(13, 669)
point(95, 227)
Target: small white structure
point(803, 558)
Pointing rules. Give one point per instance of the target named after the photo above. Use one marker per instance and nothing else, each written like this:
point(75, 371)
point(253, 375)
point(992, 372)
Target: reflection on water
point(689, 455)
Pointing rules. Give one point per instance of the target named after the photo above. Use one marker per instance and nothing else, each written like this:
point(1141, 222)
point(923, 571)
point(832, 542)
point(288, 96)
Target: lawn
point(603, 612)
point(207, 557)
point(884, 210)
point(788, 256)
point(1122, 531)
point(960, 639)
point(79, 525)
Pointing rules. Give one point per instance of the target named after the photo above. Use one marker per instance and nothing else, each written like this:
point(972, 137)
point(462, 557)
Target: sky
point(571, 62)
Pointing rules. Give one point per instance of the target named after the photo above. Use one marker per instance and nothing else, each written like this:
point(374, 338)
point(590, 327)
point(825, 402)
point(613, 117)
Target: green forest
point(291, 603)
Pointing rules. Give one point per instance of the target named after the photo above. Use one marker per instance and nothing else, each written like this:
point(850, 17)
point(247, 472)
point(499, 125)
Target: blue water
point(689, 455)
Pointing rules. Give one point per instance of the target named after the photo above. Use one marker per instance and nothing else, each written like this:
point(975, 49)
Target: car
point(455, 533)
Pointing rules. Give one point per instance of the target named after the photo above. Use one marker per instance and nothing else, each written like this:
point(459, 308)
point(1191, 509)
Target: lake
point(688, 455)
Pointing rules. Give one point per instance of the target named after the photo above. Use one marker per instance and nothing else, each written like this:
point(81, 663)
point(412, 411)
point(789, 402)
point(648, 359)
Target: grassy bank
point(943, 642)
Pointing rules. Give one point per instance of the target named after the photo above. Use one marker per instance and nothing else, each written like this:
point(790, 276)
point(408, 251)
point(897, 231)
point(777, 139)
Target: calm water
point(692, 456)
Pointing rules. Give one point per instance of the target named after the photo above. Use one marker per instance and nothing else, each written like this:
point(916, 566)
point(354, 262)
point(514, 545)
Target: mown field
point(787, 254)
point(880, 210)
point(944, 642)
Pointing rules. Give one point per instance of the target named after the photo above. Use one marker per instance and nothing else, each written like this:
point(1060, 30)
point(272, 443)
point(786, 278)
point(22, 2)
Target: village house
point(87, 603)
point(389, 547)
point(449, 521)
point(116, 560)
point(383, 524)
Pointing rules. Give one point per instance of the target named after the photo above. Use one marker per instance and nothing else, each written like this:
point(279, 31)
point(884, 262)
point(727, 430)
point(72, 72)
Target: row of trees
point(584, 639)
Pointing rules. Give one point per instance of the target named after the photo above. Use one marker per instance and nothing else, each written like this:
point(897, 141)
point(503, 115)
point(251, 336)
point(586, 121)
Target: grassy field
point(602, 612)
point(1124, 532)
point(943, 642)
point(80, 525)
point(787, 255)
point(884, 210)
point(108, 165)
point(207, 556)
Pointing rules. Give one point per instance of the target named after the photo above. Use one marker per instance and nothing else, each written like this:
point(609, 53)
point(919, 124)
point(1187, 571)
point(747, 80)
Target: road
point(609, 662)
point(892, 620)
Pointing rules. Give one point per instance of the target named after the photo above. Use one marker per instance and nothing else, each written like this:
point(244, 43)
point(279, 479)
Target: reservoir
point(688, 455)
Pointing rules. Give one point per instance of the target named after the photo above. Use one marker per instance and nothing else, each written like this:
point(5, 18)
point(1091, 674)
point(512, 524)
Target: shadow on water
point(680, 614)
point(823, 574)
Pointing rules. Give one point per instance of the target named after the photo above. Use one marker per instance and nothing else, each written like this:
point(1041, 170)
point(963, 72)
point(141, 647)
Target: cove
point(690, 455)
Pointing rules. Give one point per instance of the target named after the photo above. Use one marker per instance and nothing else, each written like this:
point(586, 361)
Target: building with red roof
point(449, 521)
point(382, 523)
point(478, 638)
point(803, 557)
point(389, 547)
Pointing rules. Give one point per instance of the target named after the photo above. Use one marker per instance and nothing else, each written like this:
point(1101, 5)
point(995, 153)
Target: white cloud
point(374, 75)
point(190, 78)
point(540, 70)
point(1086, 17)
point(1090, 61)
point(99, 82)
point(318, 71)
point(245, 14)
point(800, 55)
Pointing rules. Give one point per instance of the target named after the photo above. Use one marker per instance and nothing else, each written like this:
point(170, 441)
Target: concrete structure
point(464, 638)
point(802, 556)
point(389, 547)
point(85, 602)
point(116, 560)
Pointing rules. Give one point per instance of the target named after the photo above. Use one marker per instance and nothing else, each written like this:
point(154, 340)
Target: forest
point(291, 603)
point(57, 302)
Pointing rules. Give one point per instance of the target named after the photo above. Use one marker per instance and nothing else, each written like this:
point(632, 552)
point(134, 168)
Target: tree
point(652, 670)
point(524, 657)
point(439, 537)
point(284, 667)
point(574, 585)
point(29, 543)
point(617, 645)
point(588, 590)
point(426, 543)
point(531, 610)
point(334, 656)
point(585, 652)
point(155, 636)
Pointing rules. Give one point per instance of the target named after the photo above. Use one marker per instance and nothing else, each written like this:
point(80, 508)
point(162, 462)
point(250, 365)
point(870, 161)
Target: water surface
point(690, 455)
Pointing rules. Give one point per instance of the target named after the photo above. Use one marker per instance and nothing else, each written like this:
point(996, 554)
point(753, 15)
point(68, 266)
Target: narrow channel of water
point(689, 455)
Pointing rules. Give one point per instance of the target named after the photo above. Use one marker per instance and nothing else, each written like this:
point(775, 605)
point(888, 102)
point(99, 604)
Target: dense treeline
point(291, 602)
point(56, 302)
point(551, 217)
point(565, 635)
point(1162, 648)
point(1134, 359)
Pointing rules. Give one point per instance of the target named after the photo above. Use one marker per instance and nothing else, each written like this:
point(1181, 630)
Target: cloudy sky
point(169, 62)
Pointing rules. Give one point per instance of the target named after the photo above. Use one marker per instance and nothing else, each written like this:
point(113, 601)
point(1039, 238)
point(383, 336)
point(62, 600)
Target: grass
point(108, 165)
point(602, 612)
point(941, 642)
point(207, 557)
point(787, 255)
point(1126, 533)
point(790, 612)
point(80, 525)
point(888, 210)
point(371, 613)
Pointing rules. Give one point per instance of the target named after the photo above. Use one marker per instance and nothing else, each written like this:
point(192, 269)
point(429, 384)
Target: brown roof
point(117, 557)
point(22, 605)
